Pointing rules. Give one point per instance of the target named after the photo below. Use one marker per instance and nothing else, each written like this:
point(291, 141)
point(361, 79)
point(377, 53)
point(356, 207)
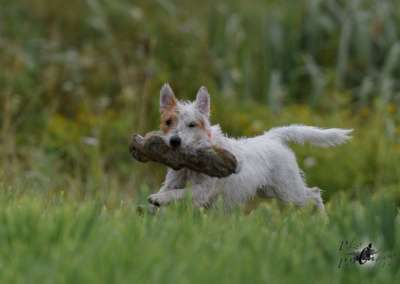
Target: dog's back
point(268, 167)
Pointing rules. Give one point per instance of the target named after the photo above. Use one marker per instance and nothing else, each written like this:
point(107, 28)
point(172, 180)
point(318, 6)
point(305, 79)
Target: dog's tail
point(314, 135)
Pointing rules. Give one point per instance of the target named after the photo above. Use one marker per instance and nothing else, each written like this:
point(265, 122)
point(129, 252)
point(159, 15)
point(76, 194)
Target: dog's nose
point(175, 141)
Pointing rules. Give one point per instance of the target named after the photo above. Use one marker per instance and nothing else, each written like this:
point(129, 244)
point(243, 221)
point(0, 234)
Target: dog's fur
point(267, 167)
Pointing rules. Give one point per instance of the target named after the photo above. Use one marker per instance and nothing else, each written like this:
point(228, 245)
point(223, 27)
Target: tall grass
point(57, 240)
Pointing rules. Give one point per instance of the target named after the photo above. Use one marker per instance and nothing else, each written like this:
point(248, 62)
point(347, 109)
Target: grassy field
point(80, 76)
point(54, 240)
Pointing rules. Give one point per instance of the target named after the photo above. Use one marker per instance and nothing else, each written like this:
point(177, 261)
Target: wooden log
point(212, 161)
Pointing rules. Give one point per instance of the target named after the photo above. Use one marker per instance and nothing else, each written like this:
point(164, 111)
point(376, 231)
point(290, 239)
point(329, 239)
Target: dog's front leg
point(164, 197)
point(172, 189)
point(174, 180)
point(204, 194)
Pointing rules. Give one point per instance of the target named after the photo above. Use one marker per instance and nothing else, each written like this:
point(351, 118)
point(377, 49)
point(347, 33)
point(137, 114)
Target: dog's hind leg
point(297, 193)
point(315, 195)
point(312, 195)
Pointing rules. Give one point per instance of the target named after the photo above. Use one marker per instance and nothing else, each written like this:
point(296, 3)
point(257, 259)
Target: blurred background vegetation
point(79, 76)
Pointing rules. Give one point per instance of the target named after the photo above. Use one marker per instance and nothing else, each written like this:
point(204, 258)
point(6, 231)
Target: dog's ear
point(203, 101)
point(167, 98)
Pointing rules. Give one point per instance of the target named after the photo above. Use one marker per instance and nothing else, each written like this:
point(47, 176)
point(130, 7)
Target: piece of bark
point(213, 161)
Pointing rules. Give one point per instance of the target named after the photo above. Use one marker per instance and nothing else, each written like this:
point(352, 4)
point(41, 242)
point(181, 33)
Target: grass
point(55, 240)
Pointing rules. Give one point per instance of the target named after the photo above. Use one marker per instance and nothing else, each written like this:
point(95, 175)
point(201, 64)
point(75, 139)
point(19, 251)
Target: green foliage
point(58, 240)
point(79, 76)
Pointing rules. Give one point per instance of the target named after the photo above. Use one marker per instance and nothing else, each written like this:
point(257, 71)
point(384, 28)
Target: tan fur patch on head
point(168, 120)
point(202, 126)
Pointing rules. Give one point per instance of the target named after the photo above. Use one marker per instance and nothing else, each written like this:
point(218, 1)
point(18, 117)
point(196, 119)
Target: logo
point(366, 254)
point(355, 253)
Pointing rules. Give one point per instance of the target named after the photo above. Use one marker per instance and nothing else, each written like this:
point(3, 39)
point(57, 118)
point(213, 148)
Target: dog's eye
point(168, 122)
point(192, 124)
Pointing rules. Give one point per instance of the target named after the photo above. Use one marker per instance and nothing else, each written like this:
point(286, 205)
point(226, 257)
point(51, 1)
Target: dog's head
point(185, 123)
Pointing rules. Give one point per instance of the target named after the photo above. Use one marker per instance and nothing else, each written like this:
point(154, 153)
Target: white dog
point(267, 167)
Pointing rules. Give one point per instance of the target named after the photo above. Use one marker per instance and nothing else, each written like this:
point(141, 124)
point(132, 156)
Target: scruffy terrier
point(267, 167)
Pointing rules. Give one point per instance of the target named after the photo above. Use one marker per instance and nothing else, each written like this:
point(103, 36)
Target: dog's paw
point(157, 199)
point(201, 204)
point(150, 209)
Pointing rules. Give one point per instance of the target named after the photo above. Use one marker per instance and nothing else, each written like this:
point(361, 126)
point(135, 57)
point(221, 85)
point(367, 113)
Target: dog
point(267, 167)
